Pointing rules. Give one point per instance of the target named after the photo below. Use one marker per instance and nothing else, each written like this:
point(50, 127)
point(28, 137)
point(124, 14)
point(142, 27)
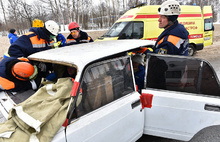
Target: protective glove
point(59, 43)
point(55, 45)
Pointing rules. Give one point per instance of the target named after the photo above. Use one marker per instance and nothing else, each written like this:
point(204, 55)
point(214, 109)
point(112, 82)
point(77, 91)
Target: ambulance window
point(115, 30)
point(208, 24)
point(134, 30)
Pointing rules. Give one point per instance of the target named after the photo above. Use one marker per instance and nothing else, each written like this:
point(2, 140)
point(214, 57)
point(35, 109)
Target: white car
point(179, 100)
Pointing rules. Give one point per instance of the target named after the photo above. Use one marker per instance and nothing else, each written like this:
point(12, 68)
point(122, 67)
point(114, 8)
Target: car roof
point(80, 55)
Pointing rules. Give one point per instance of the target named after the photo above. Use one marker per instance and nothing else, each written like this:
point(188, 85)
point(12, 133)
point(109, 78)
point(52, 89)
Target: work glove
point(59, 43)
point(55, 45)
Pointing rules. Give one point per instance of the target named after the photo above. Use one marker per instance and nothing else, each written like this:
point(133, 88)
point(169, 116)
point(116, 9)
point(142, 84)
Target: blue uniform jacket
point(84, 38)
point(8, 81)
point(139, 77)
point(62, 39)
point(34, 41)
point(174, 40)
point(12, 37)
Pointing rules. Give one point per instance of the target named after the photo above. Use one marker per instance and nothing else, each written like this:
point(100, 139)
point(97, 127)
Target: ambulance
point(141, 22)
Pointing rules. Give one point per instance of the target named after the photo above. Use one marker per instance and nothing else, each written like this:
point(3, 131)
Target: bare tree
point(14, 13)
point(68, 11)
point(25, 11)
point(3, 10)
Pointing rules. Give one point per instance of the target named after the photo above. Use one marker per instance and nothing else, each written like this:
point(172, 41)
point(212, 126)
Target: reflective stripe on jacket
point(34, 41)
point(38, 43)
point(6, 84)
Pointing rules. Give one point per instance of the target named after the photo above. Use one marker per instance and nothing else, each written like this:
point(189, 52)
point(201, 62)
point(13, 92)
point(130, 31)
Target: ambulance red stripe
point(157, 16)
point(192, 36)
point(127, 16)
point(208, 14)
point(146, 16)
point(190, 15)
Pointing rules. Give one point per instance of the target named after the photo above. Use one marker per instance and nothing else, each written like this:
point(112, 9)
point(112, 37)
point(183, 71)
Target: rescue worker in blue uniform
point(38, 39)
point(77, 36)
point(139, 70)
point(174, 39)
point(18, 74)
point(12, 36)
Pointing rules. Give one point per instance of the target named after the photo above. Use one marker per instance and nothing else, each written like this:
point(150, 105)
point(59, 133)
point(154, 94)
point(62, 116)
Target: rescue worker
point(61, 71)
point(139, 70)
point(77, 36)
point(174, 39)
point(38, 39)
point(12, 35)
point(18, 74)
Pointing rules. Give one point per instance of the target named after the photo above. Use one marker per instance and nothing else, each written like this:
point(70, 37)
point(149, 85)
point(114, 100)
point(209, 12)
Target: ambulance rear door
point(208, 25)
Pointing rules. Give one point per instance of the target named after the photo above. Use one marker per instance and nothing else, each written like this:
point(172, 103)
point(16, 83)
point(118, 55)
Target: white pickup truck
point(180, 99)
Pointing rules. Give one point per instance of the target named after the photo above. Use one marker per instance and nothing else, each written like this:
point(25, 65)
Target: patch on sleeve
point(162, 51)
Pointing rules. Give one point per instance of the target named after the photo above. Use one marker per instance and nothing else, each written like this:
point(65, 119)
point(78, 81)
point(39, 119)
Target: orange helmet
point(73, 25)
point(23, 70)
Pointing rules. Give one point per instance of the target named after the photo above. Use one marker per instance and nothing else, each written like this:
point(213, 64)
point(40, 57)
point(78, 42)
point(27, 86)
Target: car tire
point(191, 50)
point(209, 134)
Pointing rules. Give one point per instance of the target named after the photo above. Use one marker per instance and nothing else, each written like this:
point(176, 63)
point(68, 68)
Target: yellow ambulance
point(141, 22)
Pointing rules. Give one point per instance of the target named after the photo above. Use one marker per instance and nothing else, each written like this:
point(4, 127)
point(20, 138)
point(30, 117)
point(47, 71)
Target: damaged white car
point(179, 100)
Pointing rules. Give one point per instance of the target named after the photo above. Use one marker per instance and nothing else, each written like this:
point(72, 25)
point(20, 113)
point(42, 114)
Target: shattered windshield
point(115, 30)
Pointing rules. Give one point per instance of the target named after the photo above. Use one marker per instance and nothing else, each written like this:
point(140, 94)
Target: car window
point(182, 74)
point(208, 24)
point(103, 83)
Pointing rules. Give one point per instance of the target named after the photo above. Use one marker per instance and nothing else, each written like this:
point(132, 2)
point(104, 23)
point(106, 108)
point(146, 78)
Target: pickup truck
point(180, 98)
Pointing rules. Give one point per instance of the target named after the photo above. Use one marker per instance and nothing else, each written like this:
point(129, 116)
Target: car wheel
point(191, 50)
point(209, 134)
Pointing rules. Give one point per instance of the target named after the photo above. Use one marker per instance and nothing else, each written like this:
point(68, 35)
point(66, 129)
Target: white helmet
point(52, 27)
point(169, 7)
point(138, 58)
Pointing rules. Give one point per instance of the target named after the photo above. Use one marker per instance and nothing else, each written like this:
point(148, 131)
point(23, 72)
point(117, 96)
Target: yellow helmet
point(37, 23)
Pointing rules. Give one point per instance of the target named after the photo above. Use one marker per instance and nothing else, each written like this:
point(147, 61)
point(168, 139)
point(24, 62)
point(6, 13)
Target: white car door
point(185, 97)
point(110, 108)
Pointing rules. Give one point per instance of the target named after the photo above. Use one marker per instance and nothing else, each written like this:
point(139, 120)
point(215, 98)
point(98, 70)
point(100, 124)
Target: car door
point(185, 97)
point(108, 108)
